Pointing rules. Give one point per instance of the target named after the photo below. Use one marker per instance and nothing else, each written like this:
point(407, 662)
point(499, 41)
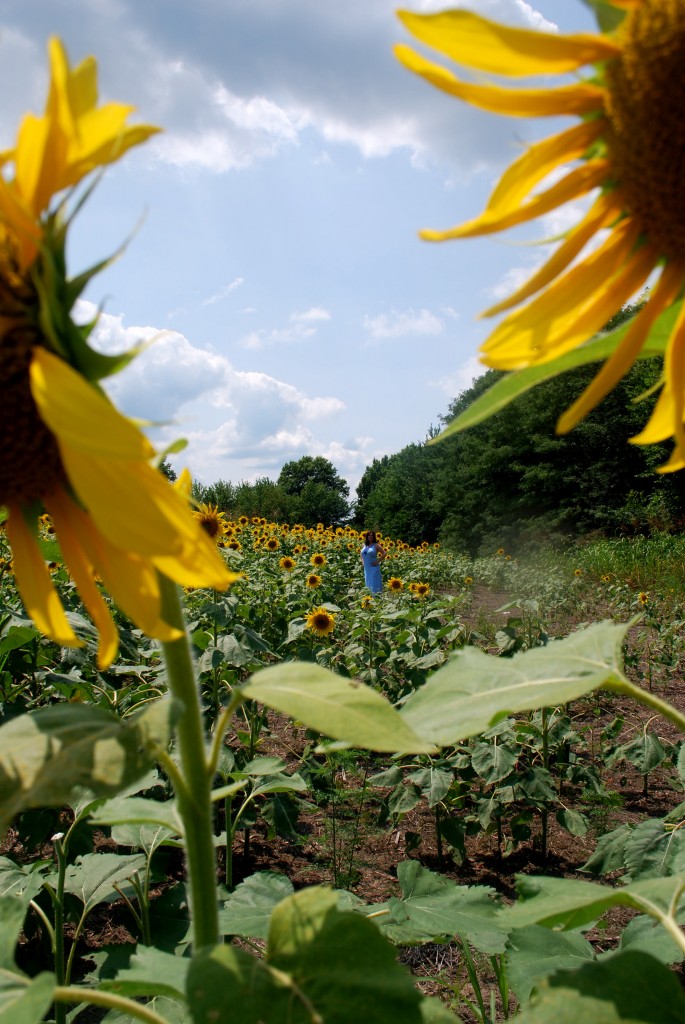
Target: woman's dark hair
point(369, 533)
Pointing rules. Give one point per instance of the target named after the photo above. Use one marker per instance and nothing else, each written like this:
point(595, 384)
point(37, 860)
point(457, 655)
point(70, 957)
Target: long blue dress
point(372, 569)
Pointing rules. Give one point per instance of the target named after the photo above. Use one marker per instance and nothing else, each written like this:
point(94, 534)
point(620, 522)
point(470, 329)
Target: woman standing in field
point(371, 555)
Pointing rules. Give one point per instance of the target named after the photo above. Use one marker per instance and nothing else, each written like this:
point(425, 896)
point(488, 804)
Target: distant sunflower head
point(643, 598)
point(272, 544)
point(211, 520)
point(367, 601)
point(395, 584)
point(317, 559)
point(628, 148)
point(287, 564)
point(320, 622)
point(243, 520)
point(422, 590)
point(468, 580)
point(578, 572)
point(313, 581)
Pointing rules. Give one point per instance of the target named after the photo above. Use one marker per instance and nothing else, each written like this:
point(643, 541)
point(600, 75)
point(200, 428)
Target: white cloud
point(400, 324)
point(299, 327)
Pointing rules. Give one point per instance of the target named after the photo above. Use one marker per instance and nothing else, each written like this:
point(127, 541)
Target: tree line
point(508, 481)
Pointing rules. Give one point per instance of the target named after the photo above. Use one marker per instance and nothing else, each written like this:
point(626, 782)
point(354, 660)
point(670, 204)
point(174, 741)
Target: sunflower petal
point(605, 210)
point(576, 183)
point(531, 334)
point(131, 580)
point(39, 596)
point(538, 160)
point(622, 359)
point(580, 98)
point(135, 508)
point(58, 505)
point(70, 406)
point(667, 416)
point(477, 42)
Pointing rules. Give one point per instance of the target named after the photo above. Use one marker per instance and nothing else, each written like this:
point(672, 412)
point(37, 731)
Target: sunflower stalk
point(194, 798)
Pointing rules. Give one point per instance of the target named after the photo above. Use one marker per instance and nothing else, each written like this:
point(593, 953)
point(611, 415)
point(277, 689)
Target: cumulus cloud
point(400, 324)
point(246, 418)
point(233, 84)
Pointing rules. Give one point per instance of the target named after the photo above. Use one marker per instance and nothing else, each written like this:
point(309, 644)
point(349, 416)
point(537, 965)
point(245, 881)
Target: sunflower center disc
point(646, 111)
point(30, 464)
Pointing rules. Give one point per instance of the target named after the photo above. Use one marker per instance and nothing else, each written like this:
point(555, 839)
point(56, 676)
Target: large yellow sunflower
point(629, 145)
point(66, 450)
point(320, 622)
point(212, 521)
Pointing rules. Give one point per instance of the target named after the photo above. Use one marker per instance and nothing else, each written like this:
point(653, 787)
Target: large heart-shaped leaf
point(341, 708)
point(46, 754)
point(474, 690)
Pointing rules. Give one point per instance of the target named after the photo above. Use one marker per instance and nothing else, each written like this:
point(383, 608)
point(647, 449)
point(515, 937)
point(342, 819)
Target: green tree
point(402, 500)
point(317, 493)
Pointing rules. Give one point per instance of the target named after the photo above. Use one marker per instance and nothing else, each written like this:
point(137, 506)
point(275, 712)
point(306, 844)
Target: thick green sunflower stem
point(193, 800)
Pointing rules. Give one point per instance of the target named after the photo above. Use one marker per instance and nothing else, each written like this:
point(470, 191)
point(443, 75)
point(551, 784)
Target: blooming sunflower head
point(422, 590)
point(313, 581)
point(287, 564)
point(468, 580)
point(627, 151)
point(643, 598)
point(395, 584)
point(578, 572)
point(67, 451)
point(317, 559)
point(367, 601)
point(212, 521)
point(320, 622)
point(272, 544)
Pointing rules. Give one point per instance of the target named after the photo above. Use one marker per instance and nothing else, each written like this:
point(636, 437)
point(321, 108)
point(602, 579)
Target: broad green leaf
point(170, 919)
point(46, 754)
point(534, 953)
point(146, 837)
point(93, 877)
point(569, 902)
point(609, 854)
point(151, 972)
point(22, 880)
point(474, 690)
point(22, 1000)
point(645, 935)
point(171, 1011)
point(138, 811)
point(573, 821)
point(493, 763)
point(248, 910)
point(509, 387)
point(653, 850)
point(632, 988)
point(341, 708)
point(25, 1000)
point(432, 906)
point(434, 783)
point(16, 637)
point(320, 964)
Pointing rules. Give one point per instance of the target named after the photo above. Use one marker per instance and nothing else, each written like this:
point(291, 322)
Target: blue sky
point(274, 257)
